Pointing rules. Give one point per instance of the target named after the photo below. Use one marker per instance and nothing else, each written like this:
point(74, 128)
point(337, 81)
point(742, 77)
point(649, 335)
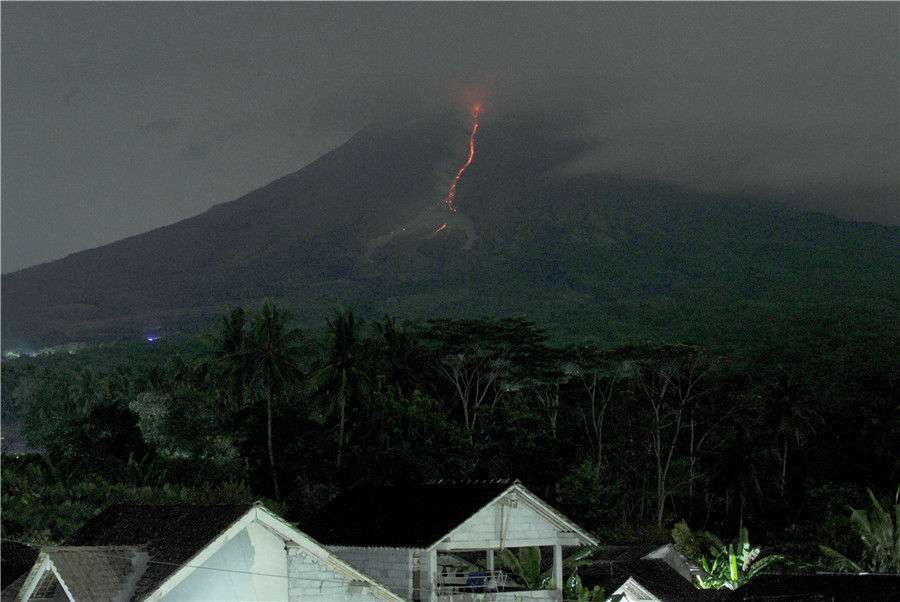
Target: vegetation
point(628, 438)
point(879, 534)
point(733, 565)
point(575, 591)
point(524, 564)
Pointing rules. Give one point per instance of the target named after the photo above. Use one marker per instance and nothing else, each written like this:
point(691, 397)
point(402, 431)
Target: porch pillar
point(432, 575)
point(558, 569)
point(490, 561)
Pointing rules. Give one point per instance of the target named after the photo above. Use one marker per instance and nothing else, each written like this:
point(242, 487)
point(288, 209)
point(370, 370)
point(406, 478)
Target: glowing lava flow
point(451, 194)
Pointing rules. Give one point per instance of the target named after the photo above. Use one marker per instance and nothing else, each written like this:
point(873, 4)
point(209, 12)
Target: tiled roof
point(623, 553)
point(96, 572)
point(403, 516)
point(654, 575)
point(15, 560)
point(170, 534)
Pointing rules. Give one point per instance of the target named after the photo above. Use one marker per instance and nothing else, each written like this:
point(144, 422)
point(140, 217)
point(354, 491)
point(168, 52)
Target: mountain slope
point(604, 255)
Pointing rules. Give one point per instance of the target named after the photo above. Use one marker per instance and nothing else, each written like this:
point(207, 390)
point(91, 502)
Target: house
point(440, 540)
point(187, 553)
point(645, 573)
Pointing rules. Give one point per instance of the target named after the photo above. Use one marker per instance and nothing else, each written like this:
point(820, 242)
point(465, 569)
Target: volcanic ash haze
point(362, 226)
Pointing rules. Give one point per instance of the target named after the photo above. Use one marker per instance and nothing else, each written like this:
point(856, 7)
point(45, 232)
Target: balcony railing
point(455, 581)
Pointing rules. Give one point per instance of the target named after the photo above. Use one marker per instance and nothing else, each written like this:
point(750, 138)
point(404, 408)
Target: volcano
point(367, 226)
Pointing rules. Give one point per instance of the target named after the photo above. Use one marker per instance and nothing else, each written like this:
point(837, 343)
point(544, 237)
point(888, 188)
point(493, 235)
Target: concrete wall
point(226, 574)
point(311, 579)
point(390, 567)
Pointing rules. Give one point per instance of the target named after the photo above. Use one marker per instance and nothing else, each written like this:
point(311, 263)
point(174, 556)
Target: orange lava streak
point(441, 227)
point(451, 194)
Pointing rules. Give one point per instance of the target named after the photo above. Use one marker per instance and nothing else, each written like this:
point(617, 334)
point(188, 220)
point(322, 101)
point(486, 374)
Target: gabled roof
point(402, 516)
point(170, 534)
point(653, 575)
point(165, 544)
point(87, 572)
point(411, 516)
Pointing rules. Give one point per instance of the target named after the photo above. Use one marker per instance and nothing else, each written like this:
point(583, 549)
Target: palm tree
point(273, 349)
point(228, 361)
point(395, 352)
point(880, 535)
point(342, 371)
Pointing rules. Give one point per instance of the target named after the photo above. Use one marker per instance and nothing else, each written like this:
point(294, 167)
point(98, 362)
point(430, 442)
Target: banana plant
point(525, 565)
point(733, 565)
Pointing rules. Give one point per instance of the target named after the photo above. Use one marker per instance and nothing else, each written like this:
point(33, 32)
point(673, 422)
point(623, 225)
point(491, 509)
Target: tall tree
point(668, 379)
point(228, 363)
point(483, 359)
point(599, 376)
point(397, 355)
point(274, 350)
point(342, 372)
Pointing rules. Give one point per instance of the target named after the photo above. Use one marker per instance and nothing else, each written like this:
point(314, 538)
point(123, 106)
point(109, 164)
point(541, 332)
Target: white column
point(490, 560)
point(558, 568)
point(432, 575)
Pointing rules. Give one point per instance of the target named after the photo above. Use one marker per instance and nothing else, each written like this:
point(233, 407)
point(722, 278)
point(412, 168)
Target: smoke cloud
point(119, 118)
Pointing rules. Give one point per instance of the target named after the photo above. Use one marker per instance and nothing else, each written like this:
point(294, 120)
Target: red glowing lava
point(451, 194)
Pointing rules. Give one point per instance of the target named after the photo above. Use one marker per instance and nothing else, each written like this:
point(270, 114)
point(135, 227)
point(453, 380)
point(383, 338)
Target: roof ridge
point(179, 505)
point(505, 481)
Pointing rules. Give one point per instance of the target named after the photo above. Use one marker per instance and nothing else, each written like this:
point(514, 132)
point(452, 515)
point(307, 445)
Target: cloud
point(161, 126)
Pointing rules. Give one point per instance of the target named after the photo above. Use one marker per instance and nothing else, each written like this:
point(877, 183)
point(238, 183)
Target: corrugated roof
point(402, 516)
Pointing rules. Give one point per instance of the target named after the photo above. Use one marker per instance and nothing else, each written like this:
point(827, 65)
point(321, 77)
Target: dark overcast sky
point(118, 118)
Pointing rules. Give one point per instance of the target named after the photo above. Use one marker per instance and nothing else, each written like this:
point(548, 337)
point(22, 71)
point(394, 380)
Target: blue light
point(152, 339)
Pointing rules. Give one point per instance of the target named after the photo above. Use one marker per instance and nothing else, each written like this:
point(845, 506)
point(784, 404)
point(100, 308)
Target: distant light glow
point(152, 339)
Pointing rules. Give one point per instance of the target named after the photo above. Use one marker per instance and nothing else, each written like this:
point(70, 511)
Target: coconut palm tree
point(395, 353)
point(227, 363)
point(342, 372)
point(273, 349)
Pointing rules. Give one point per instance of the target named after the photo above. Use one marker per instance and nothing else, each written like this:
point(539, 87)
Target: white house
point(192, 553)
point(439, 541)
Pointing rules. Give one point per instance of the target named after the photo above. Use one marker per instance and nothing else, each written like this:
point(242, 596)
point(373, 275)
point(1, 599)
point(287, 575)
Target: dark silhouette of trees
point(341, 373)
